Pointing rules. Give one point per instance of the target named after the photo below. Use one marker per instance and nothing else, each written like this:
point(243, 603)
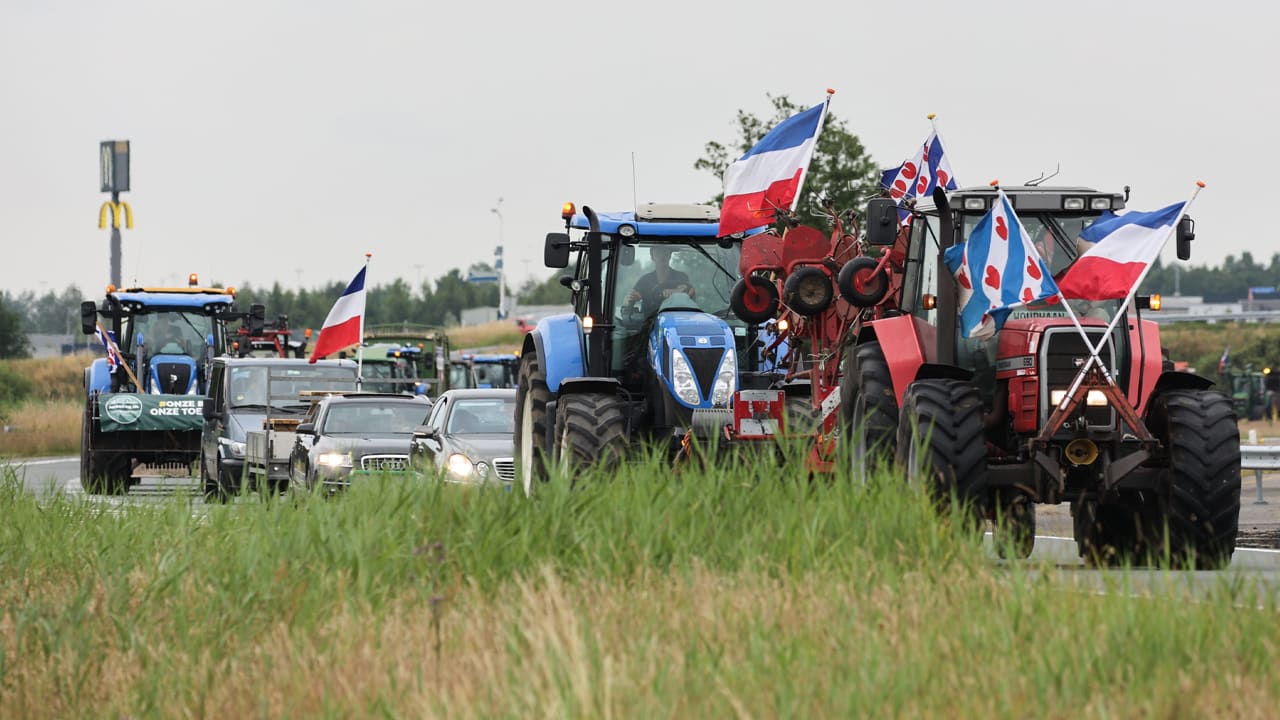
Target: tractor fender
point(939, 371)
point(559, 342)
point(97, 377)
point(1173, 380)
point(576, 385)
point(904, 339)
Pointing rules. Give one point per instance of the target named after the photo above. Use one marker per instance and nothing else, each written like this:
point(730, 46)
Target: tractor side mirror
point(556, 252)
point(627, 255)
point(257, 318)
point(882, 221)
point(1186, 233)
point(88, 317)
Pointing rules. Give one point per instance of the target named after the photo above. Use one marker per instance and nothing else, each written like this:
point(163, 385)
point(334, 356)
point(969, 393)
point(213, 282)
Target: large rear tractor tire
point(868, 408)
point(940, 444)
point(590, 432)
point(1201, 439)
point(532, 397)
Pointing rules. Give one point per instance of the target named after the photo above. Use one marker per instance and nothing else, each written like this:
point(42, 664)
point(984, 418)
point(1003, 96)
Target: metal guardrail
point(1259, 458)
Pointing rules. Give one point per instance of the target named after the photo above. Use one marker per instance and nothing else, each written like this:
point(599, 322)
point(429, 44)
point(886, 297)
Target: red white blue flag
point(767, 178)
point(345, 323)
point(113, 353)
point(997, 269)
point(1121, 248)
point(919, 174)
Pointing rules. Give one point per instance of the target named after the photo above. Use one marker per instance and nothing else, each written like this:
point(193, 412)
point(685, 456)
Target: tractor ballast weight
point(142, 417)
point(1148, 458)
point(647, 356)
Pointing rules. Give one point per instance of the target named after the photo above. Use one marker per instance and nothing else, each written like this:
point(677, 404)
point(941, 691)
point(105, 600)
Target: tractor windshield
point(694, 273)
point(1055, 238)
point(169, 332)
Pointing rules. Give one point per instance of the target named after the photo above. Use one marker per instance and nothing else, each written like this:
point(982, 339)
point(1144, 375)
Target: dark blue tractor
point(143, 400)
point(652, 352)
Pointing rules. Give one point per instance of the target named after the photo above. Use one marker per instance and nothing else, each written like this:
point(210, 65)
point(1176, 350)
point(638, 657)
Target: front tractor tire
point(869, 408)
point(590, 432)
point(100, 472)
point(532, 397)
point(940, 444)
point(1201, 438)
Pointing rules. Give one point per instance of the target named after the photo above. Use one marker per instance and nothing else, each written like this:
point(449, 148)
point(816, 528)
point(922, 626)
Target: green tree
point(547, 292)
point(13, 340)
point(841, 169)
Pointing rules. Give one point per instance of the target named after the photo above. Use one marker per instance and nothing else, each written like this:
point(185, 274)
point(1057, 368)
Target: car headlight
point(682, 379)
point(459, 465)
point(334, 459)
point(482, 469)
point(726, 379)
point(233, 448)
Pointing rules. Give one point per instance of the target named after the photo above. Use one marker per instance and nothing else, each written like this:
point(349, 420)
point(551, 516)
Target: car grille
point(505, 469)
point(385, 463)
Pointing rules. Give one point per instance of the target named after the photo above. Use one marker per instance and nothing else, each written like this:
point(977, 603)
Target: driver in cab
point(660, 283)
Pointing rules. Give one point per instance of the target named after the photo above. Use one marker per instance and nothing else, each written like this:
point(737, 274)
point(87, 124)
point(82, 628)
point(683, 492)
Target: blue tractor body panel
point(703, 341)
point(559, 343)
point(99, 377)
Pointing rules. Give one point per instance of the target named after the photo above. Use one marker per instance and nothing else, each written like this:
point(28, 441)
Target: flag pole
point(127, 370)
point(804, 169)
point(360, 342)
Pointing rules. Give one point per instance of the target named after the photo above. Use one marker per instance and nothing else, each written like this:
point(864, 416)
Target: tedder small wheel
point(532, 397)
point(860, 284)
point(754, 299)
point(808, 291)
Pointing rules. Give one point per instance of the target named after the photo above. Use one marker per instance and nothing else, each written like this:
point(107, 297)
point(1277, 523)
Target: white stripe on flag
point(758, 172)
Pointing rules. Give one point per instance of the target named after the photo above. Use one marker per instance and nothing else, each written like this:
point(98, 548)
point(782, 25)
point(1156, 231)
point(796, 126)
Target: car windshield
point(394, 418)
point(280, 387)
point(478, 416)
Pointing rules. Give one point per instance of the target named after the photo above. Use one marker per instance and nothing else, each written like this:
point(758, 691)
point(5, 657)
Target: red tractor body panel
point(908, 342)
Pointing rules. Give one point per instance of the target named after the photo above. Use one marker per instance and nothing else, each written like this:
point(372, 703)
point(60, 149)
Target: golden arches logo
point(119, 211)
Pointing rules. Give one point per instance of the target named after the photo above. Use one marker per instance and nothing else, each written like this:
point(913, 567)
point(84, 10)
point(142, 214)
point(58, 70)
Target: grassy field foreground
point(640, 596)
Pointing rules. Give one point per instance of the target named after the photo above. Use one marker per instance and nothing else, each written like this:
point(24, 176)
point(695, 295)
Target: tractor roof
point(659, 220)
point(1033, 198)
point(203, 298)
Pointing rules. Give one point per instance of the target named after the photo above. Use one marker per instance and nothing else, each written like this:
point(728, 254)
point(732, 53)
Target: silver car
point(469, 437)
point(346, 435)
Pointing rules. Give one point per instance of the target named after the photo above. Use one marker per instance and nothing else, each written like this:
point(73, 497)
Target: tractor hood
point(694, 355)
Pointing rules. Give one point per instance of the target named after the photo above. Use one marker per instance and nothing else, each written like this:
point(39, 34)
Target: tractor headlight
point(682, 380)
point(725, 380)
point(1094, 398)
point(460, 466)
point(334, 460)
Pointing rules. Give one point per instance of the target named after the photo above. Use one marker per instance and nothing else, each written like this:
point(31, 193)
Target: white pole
point(360, 346)
point(804, 169)
point(502, 276)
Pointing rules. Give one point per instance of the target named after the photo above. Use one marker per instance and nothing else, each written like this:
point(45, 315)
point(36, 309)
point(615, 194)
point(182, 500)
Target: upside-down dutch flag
point(1123, 247)
point(345, 322)
point(997, 269)
point(919, 175)
point(767, 177)
point(113, 352)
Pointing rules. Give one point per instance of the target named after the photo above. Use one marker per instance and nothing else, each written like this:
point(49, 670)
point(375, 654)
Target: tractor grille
point(385, 463)
point(1060, 358)
point(505, 469)
point(174, 378)
point(705, 362)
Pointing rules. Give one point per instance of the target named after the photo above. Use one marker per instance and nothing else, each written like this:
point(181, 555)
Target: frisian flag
point(919, 174)
point(113, 352)
point(345, 322)
point(997, 269)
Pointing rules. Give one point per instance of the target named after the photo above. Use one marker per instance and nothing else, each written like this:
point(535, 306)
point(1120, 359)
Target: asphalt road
point(1255, 559)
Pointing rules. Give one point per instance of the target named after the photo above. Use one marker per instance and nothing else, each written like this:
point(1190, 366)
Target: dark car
point(346, 435)
point(468, 438)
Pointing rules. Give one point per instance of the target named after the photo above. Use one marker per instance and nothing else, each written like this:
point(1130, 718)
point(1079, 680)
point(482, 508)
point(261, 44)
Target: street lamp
point(497, 265)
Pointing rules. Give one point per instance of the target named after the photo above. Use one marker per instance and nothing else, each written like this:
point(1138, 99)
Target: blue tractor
point(143, 400)
point(652, 352)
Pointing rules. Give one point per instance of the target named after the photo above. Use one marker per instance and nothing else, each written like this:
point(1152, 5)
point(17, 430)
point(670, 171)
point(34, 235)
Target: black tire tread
point(532, 387)
point(593, 427)
point(948, 413)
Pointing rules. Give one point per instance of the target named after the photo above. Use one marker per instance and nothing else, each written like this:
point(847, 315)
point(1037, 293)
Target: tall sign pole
point(497, 265)
point(113, 159)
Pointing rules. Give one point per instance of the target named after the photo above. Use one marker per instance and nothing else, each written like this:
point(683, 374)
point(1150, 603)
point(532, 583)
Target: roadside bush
point(14, 388)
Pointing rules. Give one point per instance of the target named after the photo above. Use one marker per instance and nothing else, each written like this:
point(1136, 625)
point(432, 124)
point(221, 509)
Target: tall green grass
point(744, 589)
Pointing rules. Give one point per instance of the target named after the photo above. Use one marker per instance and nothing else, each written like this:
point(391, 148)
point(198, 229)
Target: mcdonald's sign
point(113, 162)
point(119, 211)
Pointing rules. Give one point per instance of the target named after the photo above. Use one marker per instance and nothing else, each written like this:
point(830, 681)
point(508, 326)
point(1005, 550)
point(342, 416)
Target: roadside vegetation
point(736, 592)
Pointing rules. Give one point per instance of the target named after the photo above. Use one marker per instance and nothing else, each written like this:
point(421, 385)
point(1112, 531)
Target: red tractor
point(1150, 464)
point(790, 282)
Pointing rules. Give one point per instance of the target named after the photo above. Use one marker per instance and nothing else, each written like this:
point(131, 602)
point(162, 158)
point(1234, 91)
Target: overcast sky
point(282, 140)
